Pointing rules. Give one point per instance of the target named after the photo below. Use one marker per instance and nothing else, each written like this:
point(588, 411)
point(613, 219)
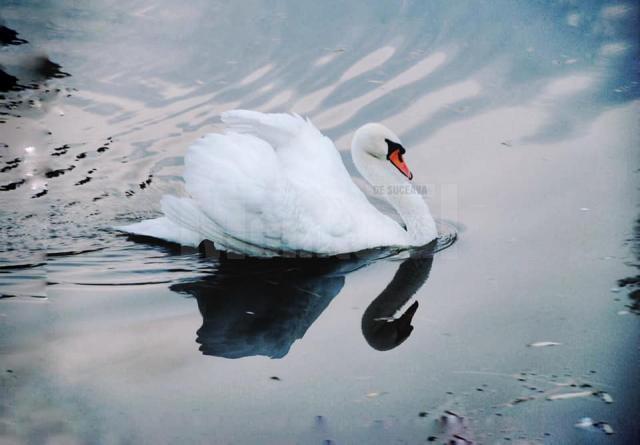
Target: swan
point(273, 185)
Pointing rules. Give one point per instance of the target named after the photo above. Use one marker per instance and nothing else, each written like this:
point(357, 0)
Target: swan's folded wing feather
point(234, 180)
point(277, 129)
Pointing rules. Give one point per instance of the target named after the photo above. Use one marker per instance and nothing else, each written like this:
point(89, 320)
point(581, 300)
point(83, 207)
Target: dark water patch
point(8, 296)
point(21, 266)
point(98, 198)
point(9, 36)
point(10, 165)
point(59, 151)
point(33, 72)
point(83, 181)
point(632, 283)
point(51, 254)
point(45, 68)
point(59, 172)
point(144, 184)
point(12, 185)
point(133, 283)
point(40, 194)
point(7, 81)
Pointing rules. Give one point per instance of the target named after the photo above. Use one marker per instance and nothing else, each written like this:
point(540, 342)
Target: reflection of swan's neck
point(405, 199)
point(380, 330)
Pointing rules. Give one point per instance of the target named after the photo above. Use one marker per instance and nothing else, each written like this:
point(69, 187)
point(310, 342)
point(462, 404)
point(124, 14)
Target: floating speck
point(605, 427)
point(606, 397)
point(542, 344)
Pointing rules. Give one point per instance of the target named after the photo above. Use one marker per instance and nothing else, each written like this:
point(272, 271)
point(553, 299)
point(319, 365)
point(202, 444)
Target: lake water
point(520, 120)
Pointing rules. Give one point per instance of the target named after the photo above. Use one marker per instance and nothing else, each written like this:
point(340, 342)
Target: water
point(520, 122)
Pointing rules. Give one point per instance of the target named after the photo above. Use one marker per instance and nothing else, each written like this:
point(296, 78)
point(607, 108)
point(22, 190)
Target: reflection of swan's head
point(380, 327)
point(374, 144)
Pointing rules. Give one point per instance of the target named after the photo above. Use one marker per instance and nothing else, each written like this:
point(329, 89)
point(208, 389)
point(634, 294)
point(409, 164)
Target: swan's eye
point(393, 146)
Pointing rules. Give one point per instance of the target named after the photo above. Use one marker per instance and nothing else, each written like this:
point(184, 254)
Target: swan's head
point(376, 142)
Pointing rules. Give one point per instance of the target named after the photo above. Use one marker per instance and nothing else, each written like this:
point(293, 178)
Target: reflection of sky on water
point(341, 62)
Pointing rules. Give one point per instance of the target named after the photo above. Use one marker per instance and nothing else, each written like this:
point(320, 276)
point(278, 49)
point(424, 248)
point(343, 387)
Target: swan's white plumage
point(271, 184)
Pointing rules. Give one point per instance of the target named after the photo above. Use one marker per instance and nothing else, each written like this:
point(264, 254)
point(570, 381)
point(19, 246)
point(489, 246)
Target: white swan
point(274, 185)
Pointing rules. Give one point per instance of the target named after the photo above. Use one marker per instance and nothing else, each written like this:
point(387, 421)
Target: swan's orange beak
point(396, 159)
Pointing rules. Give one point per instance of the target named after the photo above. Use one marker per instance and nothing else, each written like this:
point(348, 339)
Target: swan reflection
point(261, 307)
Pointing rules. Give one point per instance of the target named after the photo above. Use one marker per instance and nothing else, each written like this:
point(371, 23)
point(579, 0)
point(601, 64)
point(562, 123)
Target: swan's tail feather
point(275, 128)
point(165, 229)
point(185, 213)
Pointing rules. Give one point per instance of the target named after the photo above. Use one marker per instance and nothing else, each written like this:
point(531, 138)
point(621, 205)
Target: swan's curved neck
point(401, 194)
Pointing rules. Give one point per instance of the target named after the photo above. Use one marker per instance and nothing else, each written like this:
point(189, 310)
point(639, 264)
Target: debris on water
point(570, 395)
point(615, 290)
point(605, 427)
point(522, 400)
point(458, 439)
point(587, 423)
point(275, 377)
point(432, 439)
point(623, 312)
point(605, 396)
point(249, 312)
point(507, 143)
point(542, 344)
point(374, 394)
point(423, 414)
point(584, 209)
point(450, 417)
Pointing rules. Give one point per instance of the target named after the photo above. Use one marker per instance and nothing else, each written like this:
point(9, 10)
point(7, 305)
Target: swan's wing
point(277, 129)
point(294, 196)
point(235, 185)
point(332, 210)
point(306, 155)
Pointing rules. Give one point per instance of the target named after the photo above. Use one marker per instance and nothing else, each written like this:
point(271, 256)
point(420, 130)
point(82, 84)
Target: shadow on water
point(632, 283)
point(261, 307)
